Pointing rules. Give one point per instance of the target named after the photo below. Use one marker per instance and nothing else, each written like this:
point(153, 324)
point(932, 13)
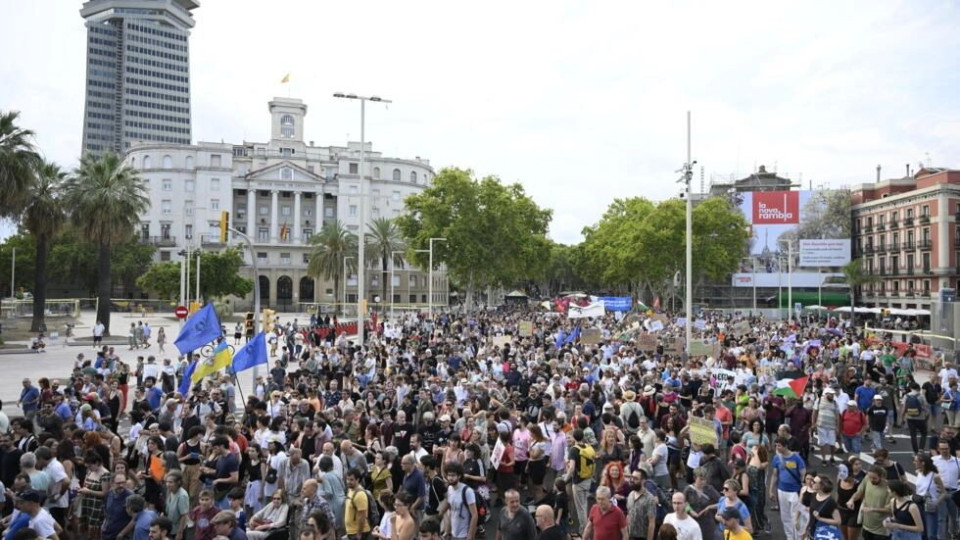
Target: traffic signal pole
point(256, 290)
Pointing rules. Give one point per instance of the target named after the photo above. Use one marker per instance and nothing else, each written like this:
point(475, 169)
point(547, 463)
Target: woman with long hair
point(755, 434)
point(674, 450)
point(614, 478)
point(93, 495)
point(757, 473)
point(802, 517)
point(824, 513)
point(153, 473)
point(115, 404)
point(254, 468)
point(906, 522)
point(929, 486)
point(537, 466)
point(274, 458)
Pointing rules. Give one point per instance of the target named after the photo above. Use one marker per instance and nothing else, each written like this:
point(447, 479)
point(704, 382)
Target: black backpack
point(373, 513)
point(633, 419)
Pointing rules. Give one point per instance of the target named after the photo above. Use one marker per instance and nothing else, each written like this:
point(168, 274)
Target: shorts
point(826, 437)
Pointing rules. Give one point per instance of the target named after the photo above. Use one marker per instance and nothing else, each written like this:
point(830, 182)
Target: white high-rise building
point(280, 193)
point(138, 73)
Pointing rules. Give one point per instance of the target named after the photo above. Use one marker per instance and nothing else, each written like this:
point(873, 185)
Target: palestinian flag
point(791, 387)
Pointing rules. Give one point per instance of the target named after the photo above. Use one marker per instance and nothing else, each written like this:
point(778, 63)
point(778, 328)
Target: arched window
point(286, 173)
point(146, 162)
point(287, 127)
point(133, 162)
point(376, 173)
point(167, 162)
point(413, 176)
point(396, 175)
point(189, 162)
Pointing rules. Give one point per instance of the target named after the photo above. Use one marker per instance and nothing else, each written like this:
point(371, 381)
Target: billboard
point(816, 224)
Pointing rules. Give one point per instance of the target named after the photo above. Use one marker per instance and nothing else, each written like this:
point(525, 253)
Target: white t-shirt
point(460, 498)
point(56, 472)
point(945, 375)
point(43, 524)
point(687, 529)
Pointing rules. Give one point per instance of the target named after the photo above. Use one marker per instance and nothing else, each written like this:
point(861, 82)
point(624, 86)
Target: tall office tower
point(138, 73)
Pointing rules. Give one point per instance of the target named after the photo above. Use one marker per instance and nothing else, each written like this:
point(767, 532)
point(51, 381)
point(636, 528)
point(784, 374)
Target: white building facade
point(280, 193)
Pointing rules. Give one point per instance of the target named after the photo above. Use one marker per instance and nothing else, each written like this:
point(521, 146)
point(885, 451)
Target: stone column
point(252, 214)
point(319, 212)
point(274, 225)
point(296, 218)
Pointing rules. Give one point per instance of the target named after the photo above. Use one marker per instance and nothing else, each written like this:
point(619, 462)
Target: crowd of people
point(461, 427)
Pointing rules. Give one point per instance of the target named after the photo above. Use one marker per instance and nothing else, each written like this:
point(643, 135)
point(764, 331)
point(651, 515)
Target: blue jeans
point(930, 524)
point(877, 438)
point(947, 514)
point(852, 444)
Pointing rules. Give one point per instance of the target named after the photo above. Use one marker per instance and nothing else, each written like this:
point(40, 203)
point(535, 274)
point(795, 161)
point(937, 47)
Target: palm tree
point(17, 157)
point(383, 238)
point(332, 245)
point(856, 277)
point(105, 198)
point(43, 216)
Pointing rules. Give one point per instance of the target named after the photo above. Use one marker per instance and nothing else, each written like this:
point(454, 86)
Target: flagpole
point(256, 299)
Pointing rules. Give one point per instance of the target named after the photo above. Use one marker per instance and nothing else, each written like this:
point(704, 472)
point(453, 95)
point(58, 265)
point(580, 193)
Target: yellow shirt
point(355, 514)
point(742, 535)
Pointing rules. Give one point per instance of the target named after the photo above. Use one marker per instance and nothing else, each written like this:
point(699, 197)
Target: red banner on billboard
point(776, 208)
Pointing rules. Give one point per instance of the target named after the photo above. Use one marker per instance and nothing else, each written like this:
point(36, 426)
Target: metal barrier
point(12, 309)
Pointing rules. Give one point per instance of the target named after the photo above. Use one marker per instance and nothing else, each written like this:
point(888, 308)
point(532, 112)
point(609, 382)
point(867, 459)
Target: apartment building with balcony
point(906, 233)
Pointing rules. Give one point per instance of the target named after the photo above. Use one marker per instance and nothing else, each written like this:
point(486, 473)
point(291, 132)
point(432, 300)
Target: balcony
point(894, 272)
point(927, 270)
point(894, 224)
point(867, 228)
point(210, 240)
point(909, 245)
point(868, 249)
point(925, 244)
point(159, 241)
point(925, 219)
point(893, 246)
point(908, 222)
point(910, 293)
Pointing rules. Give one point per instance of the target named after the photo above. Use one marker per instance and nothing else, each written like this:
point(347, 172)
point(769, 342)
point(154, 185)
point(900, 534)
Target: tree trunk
point(38, 323)
point(103, 288)
point(336, 289)
point(384, 276)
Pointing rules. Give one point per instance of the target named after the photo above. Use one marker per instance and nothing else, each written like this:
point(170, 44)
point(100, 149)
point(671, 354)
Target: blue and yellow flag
point(222, 357)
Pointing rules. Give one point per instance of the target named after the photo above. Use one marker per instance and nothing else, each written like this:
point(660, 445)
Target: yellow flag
point(285, 79)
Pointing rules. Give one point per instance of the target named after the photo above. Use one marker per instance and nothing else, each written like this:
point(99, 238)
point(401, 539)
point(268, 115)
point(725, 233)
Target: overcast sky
point(581, 102)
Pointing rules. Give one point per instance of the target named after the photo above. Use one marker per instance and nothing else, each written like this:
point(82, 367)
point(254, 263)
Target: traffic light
point(224, 225)
point(268, 319)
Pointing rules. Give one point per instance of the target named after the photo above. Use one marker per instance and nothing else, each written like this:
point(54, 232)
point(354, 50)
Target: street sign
point(181, 312)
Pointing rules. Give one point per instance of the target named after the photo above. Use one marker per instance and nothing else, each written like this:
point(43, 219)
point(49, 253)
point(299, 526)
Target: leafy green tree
point(105, 197)
point(495, 233)
point(17, 159)
point(43, 216)
point(219, 276)
point(74, 259)
point(331, 246)
point(163, 280)
point(383, 238)
point(856, 277)
point(26, 247)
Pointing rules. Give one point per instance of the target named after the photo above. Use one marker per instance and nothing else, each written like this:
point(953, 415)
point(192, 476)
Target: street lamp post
point(688, 180)
point(430, 289)
point(344, 308)
point(393, 254)
point(363, 233)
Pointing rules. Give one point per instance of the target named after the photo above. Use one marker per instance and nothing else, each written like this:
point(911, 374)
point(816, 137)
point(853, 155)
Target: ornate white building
point(280, 193)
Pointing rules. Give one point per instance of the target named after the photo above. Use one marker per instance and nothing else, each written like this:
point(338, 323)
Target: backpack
point(633, 419)
point(373, 514)
point(587, 463)
point(914, 407)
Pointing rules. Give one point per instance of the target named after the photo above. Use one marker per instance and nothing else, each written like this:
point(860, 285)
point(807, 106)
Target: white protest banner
point(595, 309)
point(497, 454)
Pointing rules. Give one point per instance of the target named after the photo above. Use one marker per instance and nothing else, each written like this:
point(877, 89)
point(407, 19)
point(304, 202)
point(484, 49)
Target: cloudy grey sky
point(581, 102)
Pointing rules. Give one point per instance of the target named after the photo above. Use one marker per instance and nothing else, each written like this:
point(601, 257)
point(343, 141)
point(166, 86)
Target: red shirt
point(507, 456)
point(852, 422)
point(607, 526)
point(724, 415)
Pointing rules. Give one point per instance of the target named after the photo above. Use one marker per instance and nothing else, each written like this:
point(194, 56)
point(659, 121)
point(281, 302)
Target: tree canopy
point(219, 276)
point(495, 233)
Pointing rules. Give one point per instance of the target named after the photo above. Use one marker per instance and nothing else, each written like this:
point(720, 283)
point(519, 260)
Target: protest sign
point(591, 336)
point(702, 431)
point(500, 341)
point(647, 342)
point(526, 328)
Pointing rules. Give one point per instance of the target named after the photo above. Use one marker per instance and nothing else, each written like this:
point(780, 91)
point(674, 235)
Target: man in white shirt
point(40, 520)
point(59, 490)
point(687, 527)
point(948, 468)
point(945, 374)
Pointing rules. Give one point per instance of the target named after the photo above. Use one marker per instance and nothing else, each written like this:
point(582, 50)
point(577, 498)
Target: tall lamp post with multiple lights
point(430, 288)
point(361, 262)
